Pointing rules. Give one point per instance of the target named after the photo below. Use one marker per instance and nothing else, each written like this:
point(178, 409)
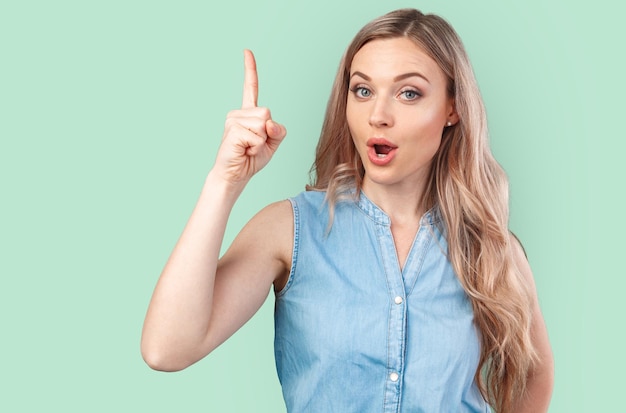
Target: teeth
point(381, 155)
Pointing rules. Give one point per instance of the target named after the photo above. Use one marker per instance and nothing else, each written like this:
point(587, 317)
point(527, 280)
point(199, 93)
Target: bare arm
point(199, 301)
point(541, 379)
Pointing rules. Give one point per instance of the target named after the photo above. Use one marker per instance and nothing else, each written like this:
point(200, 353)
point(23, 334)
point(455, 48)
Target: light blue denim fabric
point(353, 333)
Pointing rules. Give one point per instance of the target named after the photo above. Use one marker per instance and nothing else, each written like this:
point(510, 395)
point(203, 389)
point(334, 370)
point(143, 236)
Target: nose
point(381, 115)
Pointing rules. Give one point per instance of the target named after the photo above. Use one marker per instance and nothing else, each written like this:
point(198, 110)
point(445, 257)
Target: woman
point(398, 285)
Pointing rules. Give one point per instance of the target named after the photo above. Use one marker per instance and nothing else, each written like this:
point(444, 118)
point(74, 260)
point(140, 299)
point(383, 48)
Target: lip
point(379, 141)
point(373, 156)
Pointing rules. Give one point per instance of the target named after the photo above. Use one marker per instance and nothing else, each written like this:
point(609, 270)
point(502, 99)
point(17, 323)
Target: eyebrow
point(395, 79)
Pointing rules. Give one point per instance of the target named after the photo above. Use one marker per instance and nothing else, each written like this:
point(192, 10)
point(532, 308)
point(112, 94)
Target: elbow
point(160, 364)
point(162, 359)
point(155, 361)
point(170, 353)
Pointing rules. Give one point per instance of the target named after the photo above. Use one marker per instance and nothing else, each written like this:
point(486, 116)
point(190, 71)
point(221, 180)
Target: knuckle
point(264, 113)
point(259, 128)
point(230, 122)
point(232, 114)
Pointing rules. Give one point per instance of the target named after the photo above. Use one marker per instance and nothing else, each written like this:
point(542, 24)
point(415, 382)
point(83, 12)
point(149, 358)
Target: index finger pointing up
point(250, 81)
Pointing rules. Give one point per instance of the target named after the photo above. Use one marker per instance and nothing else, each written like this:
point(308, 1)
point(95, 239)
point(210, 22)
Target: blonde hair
point(468, 186)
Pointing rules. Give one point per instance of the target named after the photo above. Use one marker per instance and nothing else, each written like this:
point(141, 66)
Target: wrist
point(217, 185)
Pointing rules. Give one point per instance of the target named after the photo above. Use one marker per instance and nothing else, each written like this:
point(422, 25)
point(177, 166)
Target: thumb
point(275, 130)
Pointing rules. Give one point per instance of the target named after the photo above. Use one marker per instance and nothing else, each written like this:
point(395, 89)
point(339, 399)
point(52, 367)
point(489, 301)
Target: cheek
point(428, 123)
point(425, 131)
point(351, 117)
point(356, 126)
point(352, 123)
point(430, 118)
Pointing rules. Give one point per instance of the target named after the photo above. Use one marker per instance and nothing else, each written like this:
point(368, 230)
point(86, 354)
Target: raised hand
point(250, 135)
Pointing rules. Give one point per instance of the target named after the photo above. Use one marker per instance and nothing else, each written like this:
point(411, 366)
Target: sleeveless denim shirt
point(354, 333)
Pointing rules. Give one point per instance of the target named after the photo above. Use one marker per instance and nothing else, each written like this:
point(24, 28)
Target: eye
point(361, 92)
point(410, 94)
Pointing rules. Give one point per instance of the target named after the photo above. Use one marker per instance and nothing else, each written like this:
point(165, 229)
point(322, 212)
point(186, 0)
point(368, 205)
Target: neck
point(402, 202)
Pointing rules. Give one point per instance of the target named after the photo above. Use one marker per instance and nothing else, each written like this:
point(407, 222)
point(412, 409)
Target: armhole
point(294, 252)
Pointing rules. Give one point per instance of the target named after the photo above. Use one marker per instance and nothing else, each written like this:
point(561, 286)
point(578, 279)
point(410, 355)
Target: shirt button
point(398, 300)
point(394, 377)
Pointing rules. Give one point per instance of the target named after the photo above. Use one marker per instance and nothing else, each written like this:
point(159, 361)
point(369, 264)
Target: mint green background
point(110, 117)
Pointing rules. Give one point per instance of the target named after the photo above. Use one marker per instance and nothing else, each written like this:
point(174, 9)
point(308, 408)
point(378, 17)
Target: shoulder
point(308, 199)
point(274, 213)
point(275, 222)
point(264, 244)
point(268, 231)
point(519, 255)
point(279, 218)
point(310, 208)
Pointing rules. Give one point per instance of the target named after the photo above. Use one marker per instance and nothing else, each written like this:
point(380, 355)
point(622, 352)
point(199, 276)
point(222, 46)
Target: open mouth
point(382, 150)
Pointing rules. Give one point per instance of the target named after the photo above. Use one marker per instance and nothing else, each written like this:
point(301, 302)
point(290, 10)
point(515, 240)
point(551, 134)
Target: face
point(397, 109)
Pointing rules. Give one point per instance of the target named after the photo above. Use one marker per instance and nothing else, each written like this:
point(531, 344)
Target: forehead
point(391, 57)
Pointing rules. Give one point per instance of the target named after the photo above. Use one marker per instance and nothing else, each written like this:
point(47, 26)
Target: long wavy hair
point(467, 185)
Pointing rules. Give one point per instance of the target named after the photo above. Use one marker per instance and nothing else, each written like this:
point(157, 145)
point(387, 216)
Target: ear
point(453, 116)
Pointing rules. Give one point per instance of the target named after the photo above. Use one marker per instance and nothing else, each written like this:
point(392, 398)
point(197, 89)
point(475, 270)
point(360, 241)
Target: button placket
point(397, 320)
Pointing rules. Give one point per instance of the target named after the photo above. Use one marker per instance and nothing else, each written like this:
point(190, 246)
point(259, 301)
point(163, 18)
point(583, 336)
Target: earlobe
point(453, 119)
point(453, 116)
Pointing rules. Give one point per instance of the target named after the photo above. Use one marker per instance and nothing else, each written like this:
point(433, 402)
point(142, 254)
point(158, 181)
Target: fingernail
point(275, 128)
